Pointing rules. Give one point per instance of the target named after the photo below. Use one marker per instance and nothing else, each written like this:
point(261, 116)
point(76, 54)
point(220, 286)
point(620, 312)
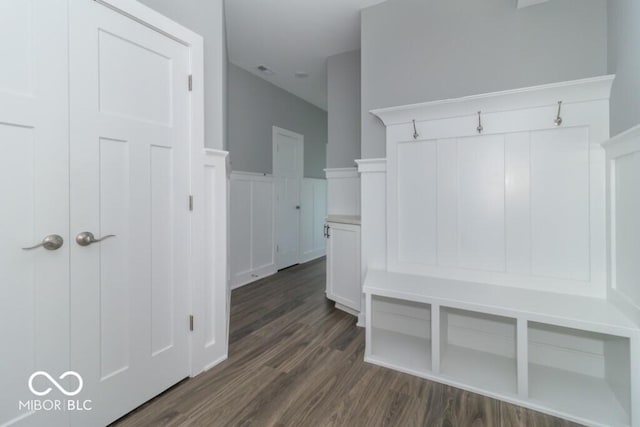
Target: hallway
point(296, 361)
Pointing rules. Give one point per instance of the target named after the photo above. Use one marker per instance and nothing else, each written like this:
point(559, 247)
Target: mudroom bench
point(570, 356)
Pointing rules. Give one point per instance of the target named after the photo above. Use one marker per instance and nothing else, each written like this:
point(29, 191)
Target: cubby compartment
point(582, 373)
point(478, 350)
point(401, 334)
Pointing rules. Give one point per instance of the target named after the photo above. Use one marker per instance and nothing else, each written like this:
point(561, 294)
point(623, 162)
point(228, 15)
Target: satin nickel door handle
point(87, 238)
point(51, 243)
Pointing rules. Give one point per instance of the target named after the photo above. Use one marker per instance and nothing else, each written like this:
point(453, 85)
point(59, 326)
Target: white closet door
point(130, 178)
point(34, 203)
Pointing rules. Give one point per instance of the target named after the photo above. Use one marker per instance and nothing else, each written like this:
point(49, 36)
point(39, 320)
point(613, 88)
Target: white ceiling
point(292, 36)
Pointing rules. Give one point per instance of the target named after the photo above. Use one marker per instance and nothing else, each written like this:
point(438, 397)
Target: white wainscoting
point(313, 214)
point(343, 191)
point(623, 174)
point(252, 227)
point(521, 204)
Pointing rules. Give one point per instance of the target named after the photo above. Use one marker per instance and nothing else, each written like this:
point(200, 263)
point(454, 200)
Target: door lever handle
point(51, 242)
point(87, 238)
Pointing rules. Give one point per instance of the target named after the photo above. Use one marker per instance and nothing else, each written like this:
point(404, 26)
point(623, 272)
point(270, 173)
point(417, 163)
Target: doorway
point(288, 167)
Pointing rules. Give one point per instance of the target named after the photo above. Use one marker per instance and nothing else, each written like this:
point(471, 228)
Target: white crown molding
point(591, 89)
point(372, 165)
point(337, 173)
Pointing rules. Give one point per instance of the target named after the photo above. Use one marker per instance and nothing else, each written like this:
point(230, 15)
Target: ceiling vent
point(264, 69)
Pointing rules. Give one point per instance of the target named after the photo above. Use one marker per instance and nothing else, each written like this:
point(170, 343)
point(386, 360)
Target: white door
point(288, 164)
point(129, 178)
point(34, 203)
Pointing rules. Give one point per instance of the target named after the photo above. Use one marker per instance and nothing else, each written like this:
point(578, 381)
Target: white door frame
point(277, 130)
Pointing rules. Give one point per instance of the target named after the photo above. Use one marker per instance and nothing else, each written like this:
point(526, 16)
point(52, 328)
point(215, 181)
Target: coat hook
point(415, 131)
point(558, 120)
point(480, 128)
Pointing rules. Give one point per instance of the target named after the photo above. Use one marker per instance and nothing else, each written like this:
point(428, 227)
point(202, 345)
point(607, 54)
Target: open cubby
point(589, 377)
point(479, 350)
point(401, 334)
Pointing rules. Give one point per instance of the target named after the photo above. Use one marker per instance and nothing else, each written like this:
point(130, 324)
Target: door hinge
point(191, 323)
point(190, 202)
point(190, 82)
point(277, 248)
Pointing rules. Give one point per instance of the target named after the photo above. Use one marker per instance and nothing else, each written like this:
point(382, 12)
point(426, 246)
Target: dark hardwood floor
point(294, 360)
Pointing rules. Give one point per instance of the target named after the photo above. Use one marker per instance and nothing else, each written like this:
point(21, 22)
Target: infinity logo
point(55, 383)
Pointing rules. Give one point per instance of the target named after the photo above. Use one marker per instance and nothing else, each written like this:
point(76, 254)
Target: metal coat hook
point(415, 131)
point(558, 120)
point(479, 128)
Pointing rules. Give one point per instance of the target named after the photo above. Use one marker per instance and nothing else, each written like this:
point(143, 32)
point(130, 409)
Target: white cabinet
point(343, 266)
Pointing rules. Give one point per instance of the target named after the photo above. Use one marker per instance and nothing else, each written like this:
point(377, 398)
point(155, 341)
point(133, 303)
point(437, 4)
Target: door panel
point(288, 163)
point(33, 202)
point(129, 148)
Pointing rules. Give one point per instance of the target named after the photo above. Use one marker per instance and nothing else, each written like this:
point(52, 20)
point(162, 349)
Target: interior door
point(288, 164)
point(34, 203)
point(130, 180)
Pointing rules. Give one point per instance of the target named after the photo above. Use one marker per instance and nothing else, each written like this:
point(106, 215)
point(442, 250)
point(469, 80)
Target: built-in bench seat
point(413, 325)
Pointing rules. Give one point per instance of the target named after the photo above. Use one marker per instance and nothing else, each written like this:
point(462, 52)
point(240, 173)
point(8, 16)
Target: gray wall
point(423, 50)
point(253, 107)
point(624, 61)
point(205, 17)
point(343, 98)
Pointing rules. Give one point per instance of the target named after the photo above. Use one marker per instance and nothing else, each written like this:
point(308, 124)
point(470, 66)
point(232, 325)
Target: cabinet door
point(343, 265)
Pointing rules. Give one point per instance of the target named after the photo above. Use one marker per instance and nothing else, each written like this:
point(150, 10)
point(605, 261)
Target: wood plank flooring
point(294, 360)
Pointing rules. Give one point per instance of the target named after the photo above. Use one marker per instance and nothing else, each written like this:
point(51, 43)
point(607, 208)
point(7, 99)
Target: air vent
point(302, 74)
point(264, 69)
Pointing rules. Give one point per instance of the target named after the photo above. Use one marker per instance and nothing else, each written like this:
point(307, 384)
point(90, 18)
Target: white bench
point(408, 330)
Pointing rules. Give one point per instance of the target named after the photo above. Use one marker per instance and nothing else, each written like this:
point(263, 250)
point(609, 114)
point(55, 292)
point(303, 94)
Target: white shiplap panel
point(560, 203)
point(517, 203)
point(417, 192)
point(481, 203)
point(447, 203)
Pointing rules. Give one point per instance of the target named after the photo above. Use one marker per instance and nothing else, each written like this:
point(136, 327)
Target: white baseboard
point(310, 256)
point(347, 309)
point(246, 277)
